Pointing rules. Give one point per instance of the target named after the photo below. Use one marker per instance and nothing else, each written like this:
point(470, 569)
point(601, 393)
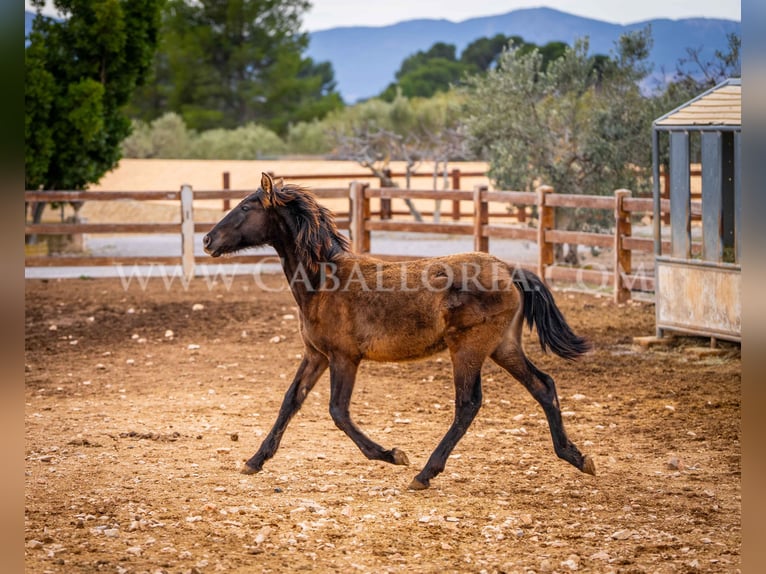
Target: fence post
point(226, 182)
point(385, 202)
point(455, 202)
point(547, 220)
point(521, 213)
point(360, 214)
point(480, 219)
point(187, 231)
point(622, 256)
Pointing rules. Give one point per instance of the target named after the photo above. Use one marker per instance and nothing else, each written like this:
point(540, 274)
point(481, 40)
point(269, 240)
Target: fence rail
point(361, 222)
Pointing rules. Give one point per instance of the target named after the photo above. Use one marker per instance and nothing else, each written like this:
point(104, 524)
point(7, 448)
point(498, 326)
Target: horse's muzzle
point(206, 244)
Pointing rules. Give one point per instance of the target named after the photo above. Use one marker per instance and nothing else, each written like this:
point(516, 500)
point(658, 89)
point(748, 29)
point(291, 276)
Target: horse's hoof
point(417, 485)
point(400, 457)
point(248, 470)
point(588, 466)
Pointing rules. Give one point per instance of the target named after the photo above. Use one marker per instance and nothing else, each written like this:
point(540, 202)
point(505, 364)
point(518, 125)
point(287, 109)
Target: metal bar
point(737, 196)
point(712, 199)
point(680, 195)
point(656, 221)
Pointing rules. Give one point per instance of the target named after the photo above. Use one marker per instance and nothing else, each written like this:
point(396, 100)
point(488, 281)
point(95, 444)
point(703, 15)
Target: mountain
point(366, 58)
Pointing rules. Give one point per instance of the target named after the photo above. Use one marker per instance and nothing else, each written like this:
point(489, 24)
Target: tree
point(424, 74)
point(227, 63)
point(412, 130)
point(482, 53)
point(580, 126)
point(694, 75)
point(80, 73)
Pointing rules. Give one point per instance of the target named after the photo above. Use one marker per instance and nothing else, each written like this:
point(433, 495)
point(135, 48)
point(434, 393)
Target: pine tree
point(80, 72)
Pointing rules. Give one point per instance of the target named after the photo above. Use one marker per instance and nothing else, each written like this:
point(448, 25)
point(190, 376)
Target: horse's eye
point(245, 208)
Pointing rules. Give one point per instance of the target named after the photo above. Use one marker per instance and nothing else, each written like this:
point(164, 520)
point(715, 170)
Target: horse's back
point(397, 311)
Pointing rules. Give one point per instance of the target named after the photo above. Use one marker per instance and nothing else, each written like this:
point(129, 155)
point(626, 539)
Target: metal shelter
point(698, 291)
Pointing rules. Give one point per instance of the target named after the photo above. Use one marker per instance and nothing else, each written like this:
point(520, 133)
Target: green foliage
point(410, 129)
point(228, 63)
point(168, 137)
point(165, 137)
point(250, 141)
point(80, 73)
point(579, 125)
point(309, 138)
point(481, 54)
point(437, 69)
point(437, 76)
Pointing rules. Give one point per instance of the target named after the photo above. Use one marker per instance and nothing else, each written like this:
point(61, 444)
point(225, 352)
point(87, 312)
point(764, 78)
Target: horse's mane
point(317, 238)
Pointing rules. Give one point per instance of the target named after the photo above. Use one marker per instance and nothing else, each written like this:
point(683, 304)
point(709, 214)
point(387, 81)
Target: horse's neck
point(301, 280)
point(301, 274)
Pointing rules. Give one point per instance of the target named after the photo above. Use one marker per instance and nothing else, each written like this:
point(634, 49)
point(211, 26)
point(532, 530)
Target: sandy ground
point(143, 402)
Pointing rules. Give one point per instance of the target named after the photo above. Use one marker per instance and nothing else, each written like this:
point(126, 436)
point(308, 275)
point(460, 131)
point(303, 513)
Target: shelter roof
point(719, 106)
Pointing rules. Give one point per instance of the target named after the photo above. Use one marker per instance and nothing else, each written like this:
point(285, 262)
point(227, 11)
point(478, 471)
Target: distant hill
point(366, 58)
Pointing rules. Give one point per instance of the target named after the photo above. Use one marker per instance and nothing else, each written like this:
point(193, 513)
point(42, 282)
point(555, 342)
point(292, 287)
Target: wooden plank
point(587, 201)
point(509, 232)
point(394, 192)
point(579, 238)
point(642, 244)
point(680, 217)
point(699, 297)
point(358, 176)
point(514, 197)
point(420, 227)
point(601, 278)
point(61, 196)
point(712, 154)
point(88, 261)
point(633, 204)
point(70, 228)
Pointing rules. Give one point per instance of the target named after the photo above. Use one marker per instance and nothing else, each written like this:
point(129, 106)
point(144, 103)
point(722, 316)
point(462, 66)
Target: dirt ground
point(143, 402)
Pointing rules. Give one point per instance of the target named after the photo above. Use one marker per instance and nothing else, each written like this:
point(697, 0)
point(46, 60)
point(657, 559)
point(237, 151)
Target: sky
point(335, 13)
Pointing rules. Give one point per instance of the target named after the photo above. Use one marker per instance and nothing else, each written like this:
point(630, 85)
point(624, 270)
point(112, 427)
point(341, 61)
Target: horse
point(355, 307)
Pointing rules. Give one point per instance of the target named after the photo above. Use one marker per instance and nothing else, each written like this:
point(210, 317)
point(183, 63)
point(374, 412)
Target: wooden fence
point(361, 222)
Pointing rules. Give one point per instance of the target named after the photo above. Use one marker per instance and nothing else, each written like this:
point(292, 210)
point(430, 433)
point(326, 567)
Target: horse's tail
point(541, 311)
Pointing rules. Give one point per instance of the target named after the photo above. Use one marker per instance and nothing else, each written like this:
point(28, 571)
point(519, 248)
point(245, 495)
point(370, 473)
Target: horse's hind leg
point(309, 371)
point(342, 379)
point(510, 356)
point(467, 376)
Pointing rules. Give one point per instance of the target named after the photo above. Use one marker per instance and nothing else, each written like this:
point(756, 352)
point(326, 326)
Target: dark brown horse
point(355, 307)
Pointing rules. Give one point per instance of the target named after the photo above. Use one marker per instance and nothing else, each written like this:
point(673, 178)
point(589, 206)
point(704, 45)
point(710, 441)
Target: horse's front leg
point(342, 379)
point(309, 371)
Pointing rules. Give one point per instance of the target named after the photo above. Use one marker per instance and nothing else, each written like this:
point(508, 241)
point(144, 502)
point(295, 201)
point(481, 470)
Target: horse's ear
point(280, 183)
point(267, 185)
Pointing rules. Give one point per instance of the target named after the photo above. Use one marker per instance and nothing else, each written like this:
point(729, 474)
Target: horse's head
point(249, 224)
